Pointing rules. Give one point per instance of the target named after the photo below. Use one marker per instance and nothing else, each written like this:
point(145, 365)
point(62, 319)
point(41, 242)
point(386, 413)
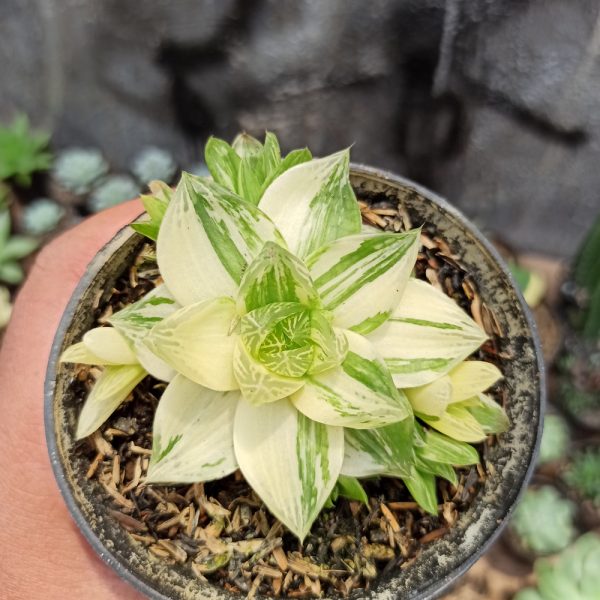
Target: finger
point(48, 559)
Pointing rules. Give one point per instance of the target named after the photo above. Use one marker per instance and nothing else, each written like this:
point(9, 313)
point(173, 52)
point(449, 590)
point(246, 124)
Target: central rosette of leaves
point(290, 339)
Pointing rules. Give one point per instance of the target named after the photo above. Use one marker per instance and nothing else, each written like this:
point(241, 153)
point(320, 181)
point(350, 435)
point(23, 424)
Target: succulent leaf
point(313, 203)
point(192, 434)
point(358, 394)
point(291, 462)
point(109, 392)
point(206, 240)
point(109, 345)
point(361, 278)
point(197, 342)
point(426, 336)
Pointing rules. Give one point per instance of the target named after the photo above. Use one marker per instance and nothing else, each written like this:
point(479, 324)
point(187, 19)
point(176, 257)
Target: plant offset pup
point(297, 348)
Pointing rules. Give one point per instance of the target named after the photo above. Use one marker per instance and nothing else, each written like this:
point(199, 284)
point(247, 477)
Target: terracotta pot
point(440, 563)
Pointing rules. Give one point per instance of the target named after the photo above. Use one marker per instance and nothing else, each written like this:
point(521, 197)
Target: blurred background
point(495, 104)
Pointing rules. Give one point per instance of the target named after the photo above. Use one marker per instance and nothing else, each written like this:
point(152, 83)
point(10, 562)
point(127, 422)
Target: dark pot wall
point(443, 561)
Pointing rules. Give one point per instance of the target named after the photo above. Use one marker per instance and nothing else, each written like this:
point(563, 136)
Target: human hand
point(42, 553)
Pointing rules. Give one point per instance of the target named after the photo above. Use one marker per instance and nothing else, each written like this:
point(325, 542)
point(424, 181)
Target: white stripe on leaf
point(361, 278)
point(291, 462)
point(313, 203)
point(358, 394)
point(426, 336)
point(192, 434)
point(207, 238)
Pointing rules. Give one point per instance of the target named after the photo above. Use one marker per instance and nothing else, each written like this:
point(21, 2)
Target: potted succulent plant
point(283, 391)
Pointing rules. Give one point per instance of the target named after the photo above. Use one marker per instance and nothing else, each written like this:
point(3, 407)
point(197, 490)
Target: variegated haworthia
point(297, 345)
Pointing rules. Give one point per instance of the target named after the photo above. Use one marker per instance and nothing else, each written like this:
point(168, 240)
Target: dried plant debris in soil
point(221, 531)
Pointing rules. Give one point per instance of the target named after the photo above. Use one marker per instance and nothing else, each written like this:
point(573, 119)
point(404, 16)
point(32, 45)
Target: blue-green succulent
point(77, 169)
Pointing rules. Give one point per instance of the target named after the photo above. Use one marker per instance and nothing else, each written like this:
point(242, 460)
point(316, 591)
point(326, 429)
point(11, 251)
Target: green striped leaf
point(223, 162)
point(290, 461)
point(389, 449)
point(361, 278)
point(423, 489)
point(330, 345)
point(192, 434)
point(109, 392)
point(313, 203)
point(295, 157)
point(197, 341)
point(275, 275)
point(359, 394)
point(441, 448)
point(135, 322)
point(437, 469)
point(206, 240)
point(156, 207)
point(257, 383)
point(110, 346)
point(458, 423)
point(427, 335)
point(488, 413)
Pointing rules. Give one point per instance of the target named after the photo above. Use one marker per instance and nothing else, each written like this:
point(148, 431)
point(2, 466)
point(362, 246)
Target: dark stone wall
point(492, 103)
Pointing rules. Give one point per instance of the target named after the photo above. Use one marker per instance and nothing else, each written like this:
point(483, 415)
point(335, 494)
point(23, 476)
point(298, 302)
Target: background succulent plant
point(583, 474)
point(76, 169)
point(574, 576)
point(113, 190)
point(154, 163)
point(543, 521)
point(22, 152)
point(555, 440)
point(12, 250)
point(42, 216)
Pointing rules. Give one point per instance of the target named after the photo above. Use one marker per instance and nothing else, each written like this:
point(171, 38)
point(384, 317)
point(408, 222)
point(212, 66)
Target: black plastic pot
point(442, 562)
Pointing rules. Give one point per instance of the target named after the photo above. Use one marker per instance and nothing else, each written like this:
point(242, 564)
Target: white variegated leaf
point(291, 462)
point(431, 399)
point(207, 238)
point(197, 342)
point(359, 394)
point(79, 353)
point(276, 275)
point(458, 423)
point(472, 377)
point(110, 346)
point(109, 391)
point(313, 203)
point(389, 449)
point(258, 384)
point(192, 434)
point(427, 335)
point(135, 322)
point(330, 343)
point(361, 278)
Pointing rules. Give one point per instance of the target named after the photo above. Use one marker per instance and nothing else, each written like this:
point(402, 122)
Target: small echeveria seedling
point(111, 191)
point(583, 474)
point(77, 169)
point(42, 216)
point(296, 338)
point(544, 521)
point(574, 576)
point(154, 163)
point(555, 440)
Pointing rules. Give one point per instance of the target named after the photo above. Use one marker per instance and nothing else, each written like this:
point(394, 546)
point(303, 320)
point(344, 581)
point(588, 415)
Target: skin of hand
point(42, 553)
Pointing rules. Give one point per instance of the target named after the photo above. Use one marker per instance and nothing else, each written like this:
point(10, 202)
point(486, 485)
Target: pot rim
point(436, 587)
